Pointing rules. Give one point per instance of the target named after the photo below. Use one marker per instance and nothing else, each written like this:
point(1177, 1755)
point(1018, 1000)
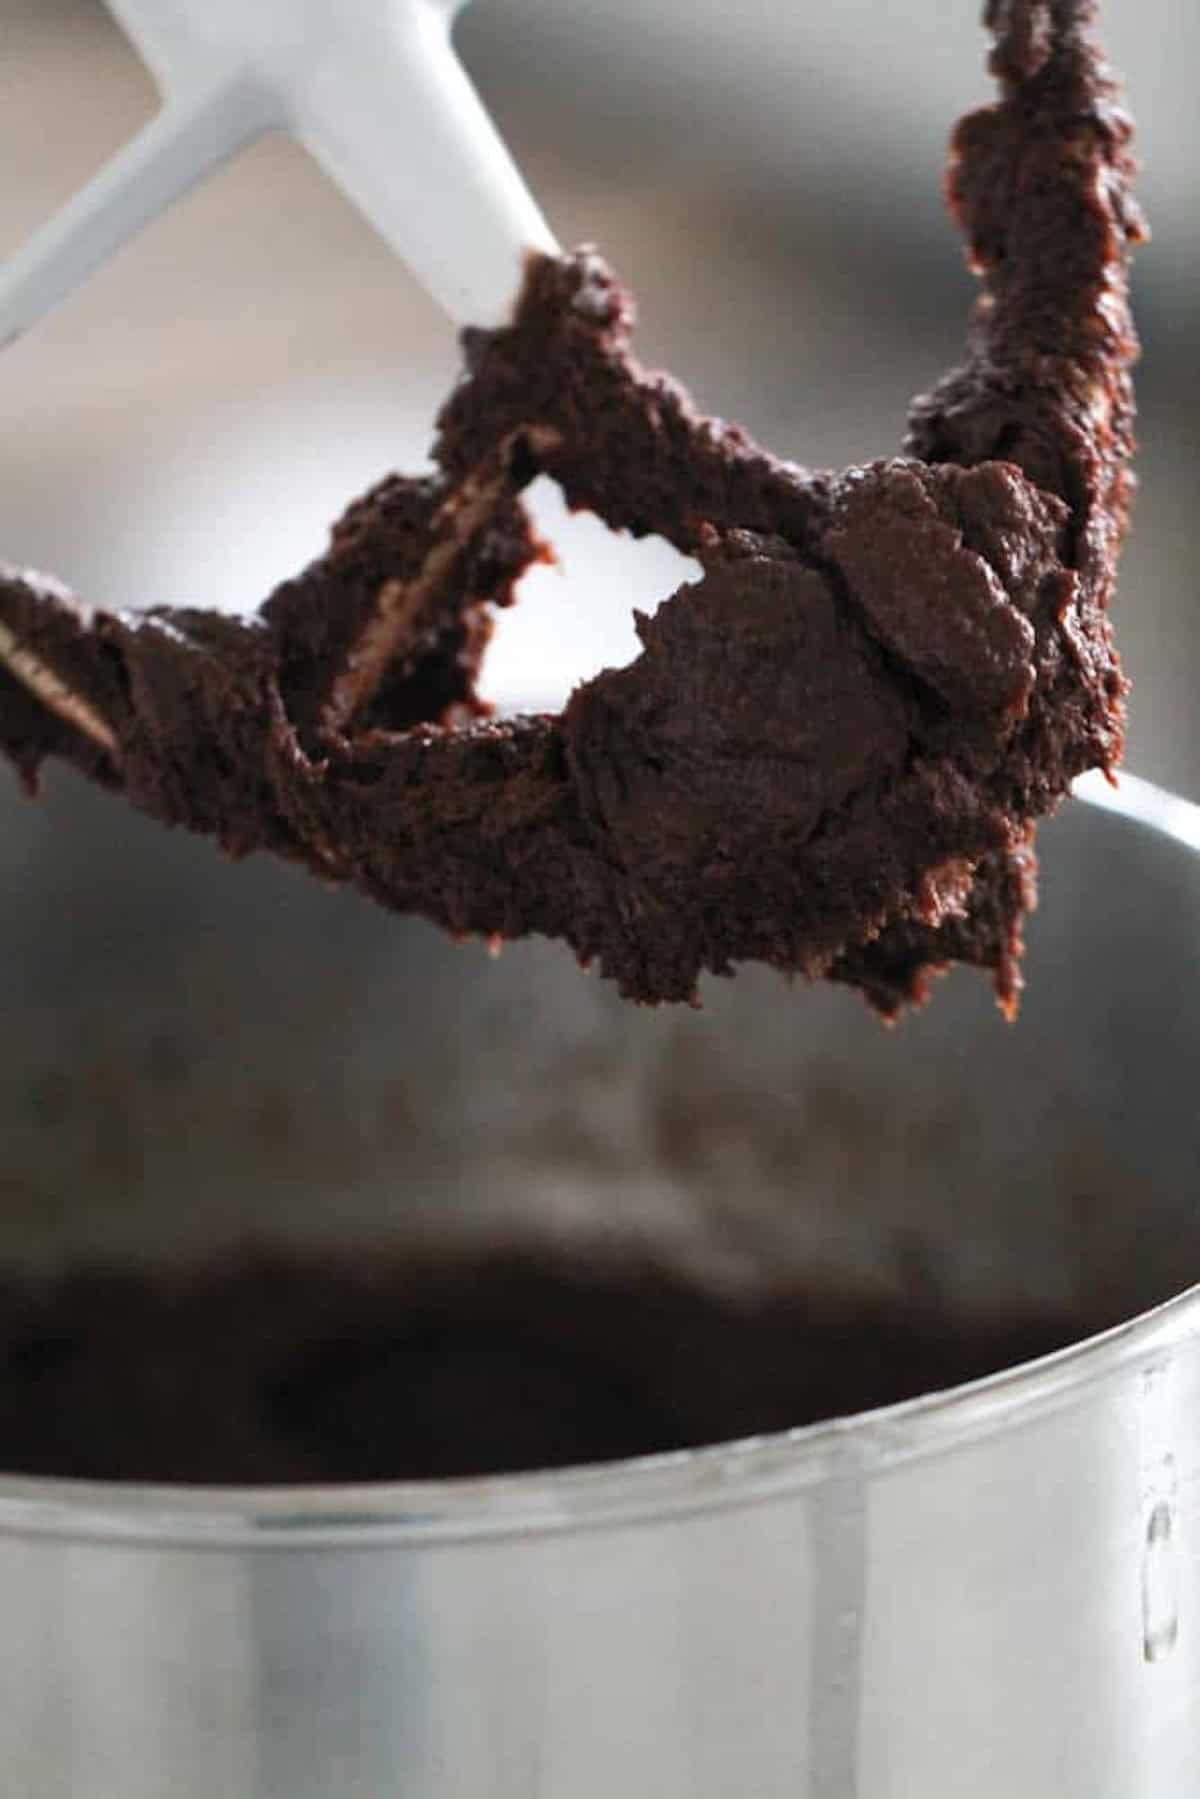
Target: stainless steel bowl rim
point(659, 1486)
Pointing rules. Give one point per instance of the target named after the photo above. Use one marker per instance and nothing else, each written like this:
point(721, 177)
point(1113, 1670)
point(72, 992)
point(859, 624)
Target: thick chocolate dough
point(392, 1364)
point(832, 750)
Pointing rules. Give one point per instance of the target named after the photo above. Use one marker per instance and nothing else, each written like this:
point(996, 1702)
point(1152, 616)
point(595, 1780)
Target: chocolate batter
point(318, 1367)
point(833, 748)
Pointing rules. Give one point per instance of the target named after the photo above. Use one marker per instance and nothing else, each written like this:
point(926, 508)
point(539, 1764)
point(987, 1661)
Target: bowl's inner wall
point(197, 1056)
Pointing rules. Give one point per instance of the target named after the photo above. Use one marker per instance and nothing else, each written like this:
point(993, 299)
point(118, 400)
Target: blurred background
point(766, 176)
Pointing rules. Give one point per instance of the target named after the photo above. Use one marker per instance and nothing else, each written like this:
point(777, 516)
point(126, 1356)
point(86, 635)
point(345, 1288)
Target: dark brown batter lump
point(391, 1365)
point(833, 748)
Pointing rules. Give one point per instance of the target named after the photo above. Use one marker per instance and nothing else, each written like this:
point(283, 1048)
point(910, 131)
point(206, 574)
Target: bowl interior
point(198, 1057)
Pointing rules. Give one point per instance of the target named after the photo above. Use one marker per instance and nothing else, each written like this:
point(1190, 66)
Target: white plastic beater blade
point(177, 148)
point(422, 160)
point(374, 92)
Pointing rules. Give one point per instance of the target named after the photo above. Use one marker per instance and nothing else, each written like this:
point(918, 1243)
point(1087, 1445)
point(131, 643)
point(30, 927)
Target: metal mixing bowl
point(985, 1592)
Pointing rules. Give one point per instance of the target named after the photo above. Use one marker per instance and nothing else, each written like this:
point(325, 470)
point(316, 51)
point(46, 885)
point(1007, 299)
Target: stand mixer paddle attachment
point(833, 751)
point(373, 91)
